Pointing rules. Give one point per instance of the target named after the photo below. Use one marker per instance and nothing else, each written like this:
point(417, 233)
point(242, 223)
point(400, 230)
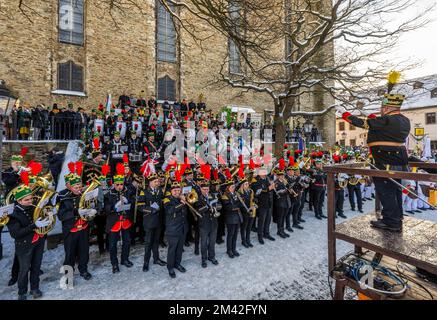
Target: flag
point(301, 144)
point(108, 102)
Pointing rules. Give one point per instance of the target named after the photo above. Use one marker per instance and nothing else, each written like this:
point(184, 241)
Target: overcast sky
point(420, 45)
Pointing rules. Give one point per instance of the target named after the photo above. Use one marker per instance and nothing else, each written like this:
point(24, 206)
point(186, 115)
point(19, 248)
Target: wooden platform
point(416, 245)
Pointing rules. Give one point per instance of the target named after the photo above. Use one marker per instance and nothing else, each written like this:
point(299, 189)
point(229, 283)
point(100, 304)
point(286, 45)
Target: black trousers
point(151, 244)
point(221, 227)
point(114, 237)
point(30, 262)
point(390, 196)
point(311, 199)
point(246, 228)
point(137, 230)
point(339, 201)
point(15, 267)
point(318, 195)
point(208, 237)
point(282, 213)
point(100, 223)
point(355, 190)
point(231, 237)
point(292, 213)
point(175, 249)
point(264, 219)
point(302, 205)
point(76, 246)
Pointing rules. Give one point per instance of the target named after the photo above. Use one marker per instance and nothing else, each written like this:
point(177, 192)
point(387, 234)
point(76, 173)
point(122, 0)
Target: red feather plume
point(35, 167)
point(215, 174)
point(125, 158)
point(24, 176)
point(24, 151)
point(96, 143)
point(206, 171)
point(251, 164)
point(241, 171)
point(119, 169)
point(79, 168)
point(106, 168)
point(71, 167)
point(178, 176)
point(228, 174)
point(291, 161)
point(281, 164)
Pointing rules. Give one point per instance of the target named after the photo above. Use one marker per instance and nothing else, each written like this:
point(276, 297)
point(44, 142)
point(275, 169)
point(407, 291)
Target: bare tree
point(300, 49)
point(323, 47)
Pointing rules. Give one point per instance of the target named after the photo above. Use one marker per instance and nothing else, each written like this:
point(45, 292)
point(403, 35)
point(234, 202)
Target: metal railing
point(57, 127)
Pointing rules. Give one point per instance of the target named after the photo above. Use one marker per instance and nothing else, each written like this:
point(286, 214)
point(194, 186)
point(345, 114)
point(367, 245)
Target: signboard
point(242, 116)
point(419, 132)
point(255, 119)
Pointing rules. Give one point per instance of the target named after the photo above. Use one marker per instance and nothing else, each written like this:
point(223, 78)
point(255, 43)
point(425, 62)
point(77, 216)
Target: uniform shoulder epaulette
point(142, 193)
point(167, 193)
point(253, 180)
point(166, 200)
point(225, 197)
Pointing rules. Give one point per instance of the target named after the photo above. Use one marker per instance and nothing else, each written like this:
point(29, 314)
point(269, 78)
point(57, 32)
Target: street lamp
point(307, 129)
point(344, 136)
point(7, 102)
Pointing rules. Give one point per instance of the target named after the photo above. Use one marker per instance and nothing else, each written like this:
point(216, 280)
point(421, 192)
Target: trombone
point(192, 198)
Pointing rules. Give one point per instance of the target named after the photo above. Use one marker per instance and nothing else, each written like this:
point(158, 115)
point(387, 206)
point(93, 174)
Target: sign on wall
point(419, 132)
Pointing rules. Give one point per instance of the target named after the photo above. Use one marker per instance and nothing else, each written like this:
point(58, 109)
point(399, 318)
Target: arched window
point(71, 28)
point(233, 51)
point(166, 89)
point(70, 76)
point(165, 34)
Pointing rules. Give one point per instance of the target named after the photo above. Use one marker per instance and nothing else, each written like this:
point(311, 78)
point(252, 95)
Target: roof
point(415, 98)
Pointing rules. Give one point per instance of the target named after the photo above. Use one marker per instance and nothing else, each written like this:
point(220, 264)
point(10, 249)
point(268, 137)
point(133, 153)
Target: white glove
point(118, 204)
point(40, 223)
point(87, 212)
point(124, 199)
point(155, 206)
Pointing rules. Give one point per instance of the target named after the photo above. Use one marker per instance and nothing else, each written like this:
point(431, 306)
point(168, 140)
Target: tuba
point(44, 210)
point(4, 221)
point(89, 200)
point(353, 181)
point(342, 180)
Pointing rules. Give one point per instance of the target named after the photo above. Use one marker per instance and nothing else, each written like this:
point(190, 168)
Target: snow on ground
point(293, 268)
